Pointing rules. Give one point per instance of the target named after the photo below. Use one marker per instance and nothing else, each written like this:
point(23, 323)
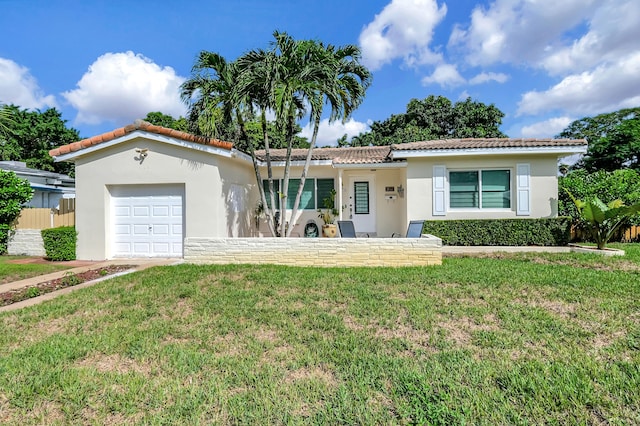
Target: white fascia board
point(242, 156)
point(396, 165)
point(296, 163)
point(148, 136)
point(428, 153)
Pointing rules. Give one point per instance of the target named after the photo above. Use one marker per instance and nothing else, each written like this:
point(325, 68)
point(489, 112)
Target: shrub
point(4, 238)
point(501, 232)
point(618, 184)
point(60, 243)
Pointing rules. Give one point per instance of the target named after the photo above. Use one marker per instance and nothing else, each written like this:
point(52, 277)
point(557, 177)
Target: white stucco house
point(142, 189)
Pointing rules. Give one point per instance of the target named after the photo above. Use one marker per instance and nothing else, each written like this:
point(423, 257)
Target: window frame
point(480, 190)
point(277, 183)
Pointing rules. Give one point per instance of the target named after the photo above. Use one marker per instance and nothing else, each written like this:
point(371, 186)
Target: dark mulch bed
point(68, 280)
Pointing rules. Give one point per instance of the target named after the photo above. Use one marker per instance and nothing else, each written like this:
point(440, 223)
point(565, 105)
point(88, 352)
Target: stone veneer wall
point(316, 251)
point(25, 242)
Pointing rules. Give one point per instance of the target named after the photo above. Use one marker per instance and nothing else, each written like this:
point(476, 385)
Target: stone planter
point(330, 230)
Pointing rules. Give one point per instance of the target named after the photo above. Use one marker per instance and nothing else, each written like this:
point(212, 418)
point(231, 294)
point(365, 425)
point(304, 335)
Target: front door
point(362, 204)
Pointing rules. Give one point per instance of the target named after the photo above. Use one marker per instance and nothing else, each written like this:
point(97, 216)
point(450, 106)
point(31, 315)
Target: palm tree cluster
point(290, 79)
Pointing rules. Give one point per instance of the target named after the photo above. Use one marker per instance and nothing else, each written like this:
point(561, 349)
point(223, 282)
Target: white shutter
point(439, 191)
point(523, 188)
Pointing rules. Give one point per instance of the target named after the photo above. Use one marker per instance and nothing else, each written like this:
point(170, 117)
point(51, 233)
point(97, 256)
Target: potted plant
point(328, 215)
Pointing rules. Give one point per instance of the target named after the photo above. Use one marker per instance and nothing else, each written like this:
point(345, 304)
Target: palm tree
point(288, 79)
point(6, 118)
point(215, 103)
point(342, 84)
point(294, 76)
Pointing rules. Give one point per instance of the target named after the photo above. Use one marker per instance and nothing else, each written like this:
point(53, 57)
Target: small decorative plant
point(603, 220)
point(329, 213)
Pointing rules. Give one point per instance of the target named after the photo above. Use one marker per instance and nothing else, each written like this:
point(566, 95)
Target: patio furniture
point(414, 230)
point(347, 230)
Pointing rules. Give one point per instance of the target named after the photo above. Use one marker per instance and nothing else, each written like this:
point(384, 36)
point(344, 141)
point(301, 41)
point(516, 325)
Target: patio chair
point(347, 230)
point(414, 230)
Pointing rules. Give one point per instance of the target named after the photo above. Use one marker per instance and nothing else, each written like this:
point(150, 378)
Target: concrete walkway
point(139, 265)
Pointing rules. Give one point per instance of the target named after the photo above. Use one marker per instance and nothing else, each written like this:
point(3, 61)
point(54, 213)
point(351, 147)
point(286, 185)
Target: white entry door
point(147, 221)
point(362, 204)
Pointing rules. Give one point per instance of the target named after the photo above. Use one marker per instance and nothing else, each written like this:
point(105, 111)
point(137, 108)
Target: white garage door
point(147, 220)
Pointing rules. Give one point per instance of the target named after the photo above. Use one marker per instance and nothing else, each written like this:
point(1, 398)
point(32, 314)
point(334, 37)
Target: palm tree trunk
point(285, 178)
point(305, 169)
point(267, 150)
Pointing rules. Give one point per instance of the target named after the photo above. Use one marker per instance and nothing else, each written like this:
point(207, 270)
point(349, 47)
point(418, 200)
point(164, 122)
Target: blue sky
point(544, 63)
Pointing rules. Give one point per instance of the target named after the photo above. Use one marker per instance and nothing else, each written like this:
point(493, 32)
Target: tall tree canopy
point(29, 135)
point(291, 78)
point(165, 120)
point(435, 117)
point(614, 140)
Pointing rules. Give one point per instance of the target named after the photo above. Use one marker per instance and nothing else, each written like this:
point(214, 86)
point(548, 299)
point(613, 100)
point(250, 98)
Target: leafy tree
point(14, 192)
point(603, 220)
point(159, 119)
point(614, 140)
point(290, 79)
point(435, 117)
point(30, 136)
point(618, 184)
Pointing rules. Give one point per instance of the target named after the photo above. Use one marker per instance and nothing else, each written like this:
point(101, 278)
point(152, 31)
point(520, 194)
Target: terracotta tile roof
point(137, 125)
point(355, 155)
point(474, 143)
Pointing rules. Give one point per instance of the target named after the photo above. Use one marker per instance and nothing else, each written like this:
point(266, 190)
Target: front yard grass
point(499, 339)
point(10, 272)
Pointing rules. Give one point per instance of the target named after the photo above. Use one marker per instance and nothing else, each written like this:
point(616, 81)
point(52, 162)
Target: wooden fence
point(48, 218)
point(629, 235)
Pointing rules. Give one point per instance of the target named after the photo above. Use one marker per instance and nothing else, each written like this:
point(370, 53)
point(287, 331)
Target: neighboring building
point(48, 187)
point(142, 188)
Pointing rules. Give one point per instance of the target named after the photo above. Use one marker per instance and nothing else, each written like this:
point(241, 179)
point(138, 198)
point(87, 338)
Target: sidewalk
point(139, 265)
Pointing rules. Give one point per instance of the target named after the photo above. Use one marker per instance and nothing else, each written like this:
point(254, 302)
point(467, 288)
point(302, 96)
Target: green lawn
point(502, 339)
point(10, 272)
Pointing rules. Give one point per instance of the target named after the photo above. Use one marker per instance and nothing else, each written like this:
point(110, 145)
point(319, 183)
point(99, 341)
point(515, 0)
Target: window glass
point(463, 189)
point(361, 190)
point(307, 199)
point(496, 189)
point(324, 187)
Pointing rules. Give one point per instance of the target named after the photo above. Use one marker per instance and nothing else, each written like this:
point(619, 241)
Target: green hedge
point(501, 232)
point(4, 238)
point(60, 243)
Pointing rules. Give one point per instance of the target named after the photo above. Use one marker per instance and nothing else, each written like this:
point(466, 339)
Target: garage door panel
point(141, 211)
point(161, 211)
point(147, 221)
point(122, 230)
point(160, 230)
point(140, 230)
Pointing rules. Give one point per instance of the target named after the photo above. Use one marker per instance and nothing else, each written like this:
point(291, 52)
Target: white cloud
point(519, 31)
point(404, 29)
point(122, 87)
point(486, 77)
point(613, 32)
point(608, 87)
point(444, 75)
point(547, 128)
point(329, 133)
point(19, 87)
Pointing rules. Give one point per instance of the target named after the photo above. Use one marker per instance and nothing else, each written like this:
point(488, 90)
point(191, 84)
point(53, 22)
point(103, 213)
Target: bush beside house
point(501, 232)
point(60, 243)
point(14, 192)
